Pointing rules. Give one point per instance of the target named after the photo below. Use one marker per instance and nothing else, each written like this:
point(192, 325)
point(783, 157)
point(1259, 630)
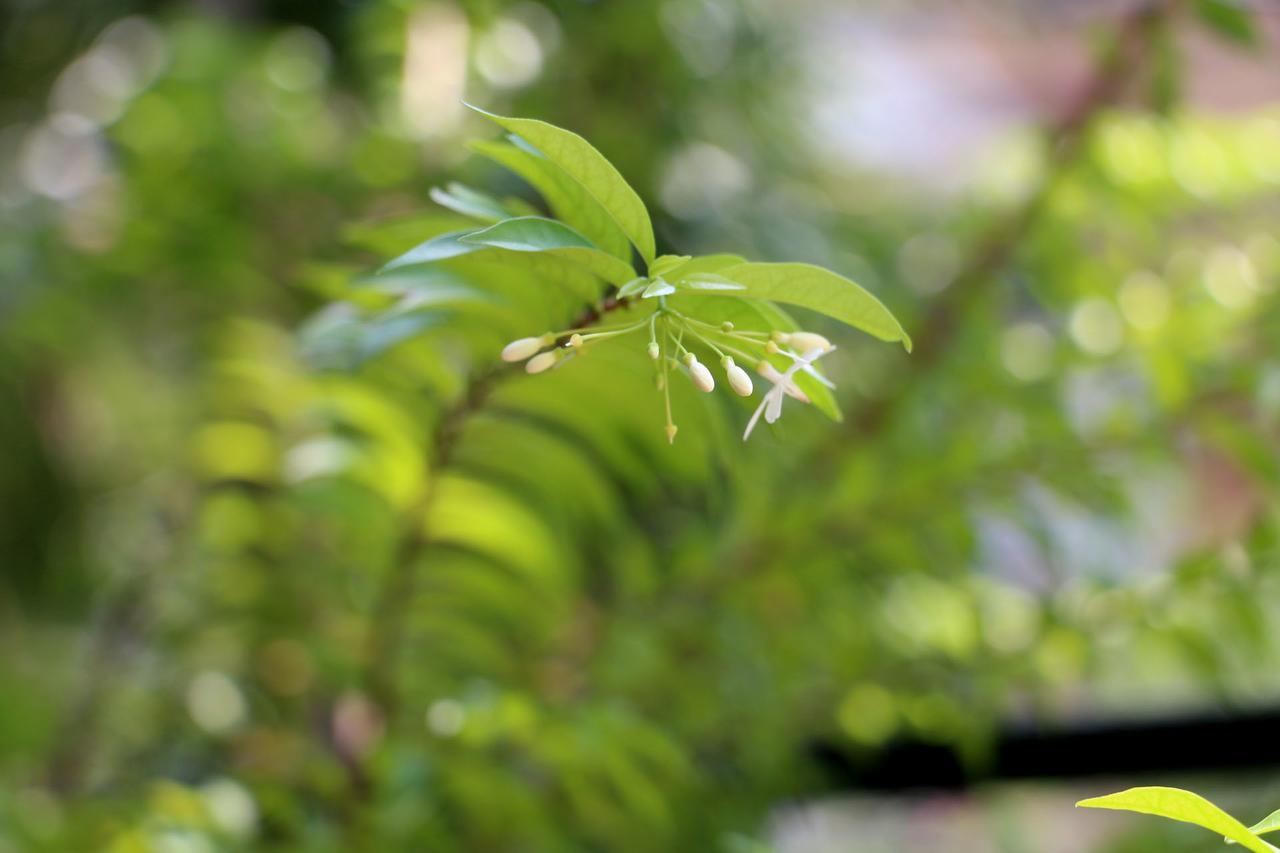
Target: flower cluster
point(673, 337)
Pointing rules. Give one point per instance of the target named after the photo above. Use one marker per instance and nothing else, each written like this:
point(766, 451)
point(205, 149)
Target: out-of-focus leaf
point(536, 234)
point(567, 199)
point(581, 161)
point(705, 264)
point(463, 199)
point(823, 291)
point(1180, 805)
point(631, 288)
point(710, 281)
point(1229, 19)
point(548, 265)
point(1270, 823)
point(667, 264)
point(658, 287)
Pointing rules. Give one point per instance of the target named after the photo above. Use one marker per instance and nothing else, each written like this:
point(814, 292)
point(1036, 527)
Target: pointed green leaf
point(592, 171)
point(657, 288)
point(463, 199)
point(571, 274)
point(820, 290)
point(536, 234)
point(439, 248)
point(668, 263)
point(705, 264)
point(1270, 823)
point(1184, 806)
point(569, 202)
point(632, 287)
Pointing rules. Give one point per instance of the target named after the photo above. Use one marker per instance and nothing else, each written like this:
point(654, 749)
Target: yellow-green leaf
point(582, 162)
point(820, 290)
point(1177, 804)
point(569, 202)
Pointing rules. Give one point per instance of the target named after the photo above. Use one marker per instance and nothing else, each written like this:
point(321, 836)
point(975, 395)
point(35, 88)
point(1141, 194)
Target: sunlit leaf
point(823, 291)
point(1180, 805)
point(567, 199)
point(592, 171)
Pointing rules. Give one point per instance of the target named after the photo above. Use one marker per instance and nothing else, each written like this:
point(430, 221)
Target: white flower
point(702, 378)
point(739, 381)
point(543, 361)
point(771, 405)
point(525, 347)
point(805, 341)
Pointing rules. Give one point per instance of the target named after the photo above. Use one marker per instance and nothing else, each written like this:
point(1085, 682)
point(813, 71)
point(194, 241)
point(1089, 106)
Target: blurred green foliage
point(255, 595)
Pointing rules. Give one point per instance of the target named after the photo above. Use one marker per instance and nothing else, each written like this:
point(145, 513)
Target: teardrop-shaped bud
point(739, 381)
point(575, 340)
point(525, 347)
point(806, 342)
point(653, 350)
point(702, 378)
point(542, 361)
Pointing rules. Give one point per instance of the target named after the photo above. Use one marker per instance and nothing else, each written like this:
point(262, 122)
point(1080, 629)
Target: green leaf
point(536, 234)
point(571, 274)
point(820, 290)
point(1270, 823)
point(667, 263)
point(569, 202)
point(462, 199)
point(705, 264)
point(1176, 804)
point(592, 171)
point(710, 281)
point(447, 245)
point(632, 287)
point(659, 287)
point(1229, 19)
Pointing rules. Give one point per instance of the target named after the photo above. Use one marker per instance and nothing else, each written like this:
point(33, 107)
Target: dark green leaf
point(536, 234)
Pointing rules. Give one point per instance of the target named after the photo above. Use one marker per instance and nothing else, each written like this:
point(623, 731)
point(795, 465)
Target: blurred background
point(281, 569)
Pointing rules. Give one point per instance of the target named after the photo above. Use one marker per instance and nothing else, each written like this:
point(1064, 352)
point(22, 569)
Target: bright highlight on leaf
point(685, 312)
point(1180, 805)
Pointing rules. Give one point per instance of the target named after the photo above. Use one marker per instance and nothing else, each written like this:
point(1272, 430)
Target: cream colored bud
point(739, 381)
point(542, 361)
point(525, 347)
point(779, 337)
point(726, 326)
point(771, 347)
point(689, 359)
point(702, 378)
point(672, 429)
point(654, 351)
point(575, 340)
point(807, 342)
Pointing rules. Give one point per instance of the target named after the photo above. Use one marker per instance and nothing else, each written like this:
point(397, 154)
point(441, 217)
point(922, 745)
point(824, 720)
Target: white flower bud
point(653, 350)
point(575, 340)
point(726, 326)
point(806, 342)
point(672, 429)
point(525, 347)
point(702, 378)
point(542, 361)
point(739, 381)
point(771, 347)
